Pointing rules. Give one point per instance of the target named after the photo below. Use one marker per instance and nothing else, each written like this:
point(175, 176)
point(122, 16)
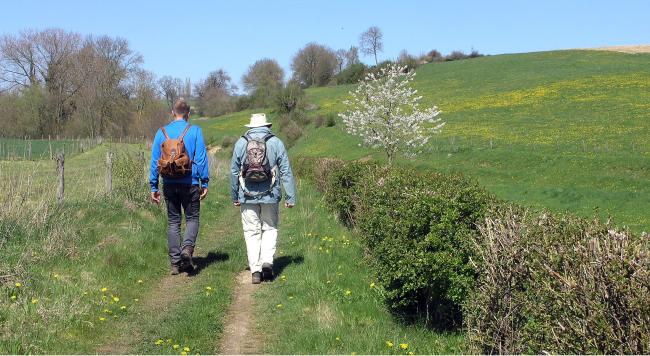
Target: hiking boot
point(175, 269)
point(187, 253)
point(257, 278)
point(267, 272)
point(186, 258)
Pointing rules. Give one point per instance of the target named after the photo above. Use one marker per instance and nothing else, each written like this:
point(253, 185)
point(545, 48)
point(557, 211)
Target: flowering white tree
point(384, 111)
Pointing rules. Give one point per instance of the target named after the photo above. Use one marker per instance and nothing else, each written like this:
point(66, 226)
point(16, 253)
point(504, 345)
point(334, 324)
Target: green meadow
point(563, 130)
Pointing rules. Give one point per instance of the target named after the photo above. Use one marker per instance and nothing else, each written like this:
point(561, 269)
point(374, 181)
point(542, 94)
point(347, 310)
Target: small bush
point(290, 98)
point(319, 121)
point(290, 130)
point(559, 284)
point(128, 175)
point(352, 74)
point(331, 120)
point(228, 141)
point(434, 56)
point(455, 56)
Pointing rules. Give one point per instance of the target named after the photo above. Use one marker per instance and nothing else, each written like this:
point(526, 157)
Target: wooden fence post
point(60, 158)
point(109, 172)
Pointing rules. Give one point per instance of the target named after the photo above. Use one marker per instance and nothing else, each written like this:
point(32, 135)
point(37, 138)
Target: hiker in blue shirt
point(185, 181)
point(259, 165)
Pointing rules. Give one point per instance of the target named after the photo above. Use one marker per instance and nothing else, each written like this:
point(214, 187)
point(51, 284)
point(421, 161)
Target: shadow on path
point(282, 262)
point(201, 262)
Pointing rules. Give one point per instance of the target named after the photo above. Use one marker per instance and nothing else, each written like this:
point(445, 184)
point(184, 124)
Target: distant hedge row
point(447, 253)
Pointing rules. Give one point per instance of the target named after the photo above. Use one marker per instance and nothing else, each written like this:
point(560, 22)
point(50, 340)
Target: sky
point(190, 38)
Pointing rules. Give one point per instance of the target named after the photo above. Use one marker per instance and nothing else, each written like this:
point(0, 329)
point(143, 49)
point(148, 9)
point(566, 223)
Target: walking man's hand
point(236, 203)
point(204, 193)
point(288, 205)
point(155, 197)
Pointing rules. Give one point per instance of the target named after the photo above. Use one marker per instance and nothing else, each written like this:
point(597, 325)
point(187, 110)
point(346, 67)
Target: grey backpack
point(256, 167)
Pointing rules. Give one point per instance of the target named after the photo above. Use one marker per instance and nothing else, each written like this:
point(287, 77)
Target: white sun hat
point(258, 120)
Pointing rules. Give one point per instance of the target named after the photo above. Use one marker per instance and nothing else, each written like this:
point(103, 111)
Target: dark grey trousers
point(181, 198)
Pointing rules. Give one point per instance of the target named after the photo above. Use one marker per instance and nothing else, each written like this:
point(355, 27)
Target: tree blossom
point(384, 111)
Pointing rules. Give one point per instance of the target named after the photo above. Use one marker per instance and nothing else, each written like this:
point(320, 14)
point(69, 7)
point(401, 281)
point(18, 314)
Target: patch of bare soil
point(625, 49)
point(239, 336)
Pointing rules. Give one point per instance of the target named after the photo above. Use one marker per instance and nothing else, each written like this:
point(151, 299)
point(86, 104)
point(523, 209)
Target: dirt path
point(239, 336)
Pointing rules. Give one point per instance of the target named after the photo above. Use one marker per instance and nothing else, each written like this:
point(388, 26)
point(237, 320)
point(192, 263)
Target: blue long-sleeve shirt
point(277, 155)
point(195, 147)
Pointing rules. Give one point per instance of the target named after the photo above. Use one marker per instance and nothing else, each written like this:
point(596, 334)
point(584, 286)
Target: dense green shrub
point(559, 284)
point(352, 74)
point(417, 228)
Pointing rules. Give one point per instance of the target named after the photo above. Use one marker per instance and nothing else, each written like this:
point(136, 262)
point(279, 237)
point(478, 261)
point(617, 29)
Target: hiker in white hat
point(259, 163)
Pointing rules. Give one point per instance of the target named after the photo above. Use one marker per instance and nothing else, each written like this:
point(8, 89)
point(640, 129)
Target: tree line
point(60, 83)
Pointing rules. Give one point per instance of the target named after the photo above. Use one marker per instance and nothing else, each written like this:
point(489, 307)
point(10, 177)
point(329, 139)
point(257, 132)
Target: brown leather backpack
point(174, 161)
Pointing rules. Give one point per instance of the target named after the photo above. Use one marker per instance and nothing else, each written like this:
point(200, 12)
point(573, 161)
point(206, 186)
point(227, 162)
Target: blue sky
point(189, 38)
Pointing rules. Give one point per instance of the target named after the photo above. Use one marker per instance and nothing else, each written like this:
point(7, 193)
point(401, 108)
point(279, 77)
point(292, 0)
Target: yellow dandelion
point(348, 292)
point(353, 353)
point(208, 288)
point(140, 281)
point(116, 299)
point(410, 352)
point(372, 285)
point(279, 306)
point(338, 338)
point(104, 289)
point(159, 342)
point(18, 284)
point(56, 276)
point(114, 316)
point(404, 346)
point(136, 299)
point(186, 349)
point(101, 318)
point(290, 297)
point(13, 297)
point(34, 300)
point(85, 293)
point(183, 353)
point(283, 277)
point(176, 346)
point(123, 307)
point(390, 344)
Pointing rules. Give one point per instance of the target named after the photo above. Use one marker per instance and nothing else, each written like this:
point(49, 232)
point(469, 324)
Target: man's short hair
point(181, 107)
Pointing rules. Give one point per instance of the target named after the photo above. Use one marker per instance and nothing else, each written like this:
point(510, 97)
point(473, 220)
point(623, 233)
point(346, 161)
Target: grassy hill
point(564, 130)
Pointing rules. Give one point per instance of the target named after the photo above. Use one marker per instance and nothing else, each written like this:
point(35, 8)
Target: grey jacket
point(277, 155)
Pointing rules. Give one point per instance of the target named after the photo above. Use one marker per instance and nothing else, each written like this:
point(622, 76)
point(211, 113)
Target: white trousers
point(260, 222)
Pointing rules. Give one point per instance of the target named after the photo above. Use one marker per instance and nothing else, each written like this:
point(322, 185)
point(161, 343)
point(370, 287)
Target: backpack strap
point(268, 136)
point(165, 133)
point(180, 138)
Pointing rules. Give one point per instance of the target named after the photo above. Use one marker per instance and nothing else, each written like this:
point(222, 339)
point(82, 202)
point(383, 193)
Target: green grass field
point(561, 130)
point(27, 149)
point(564, 130)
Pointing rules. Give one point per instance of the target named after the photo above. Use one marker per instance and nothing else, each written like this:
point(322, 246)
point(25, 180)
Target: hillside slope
point(565, 130)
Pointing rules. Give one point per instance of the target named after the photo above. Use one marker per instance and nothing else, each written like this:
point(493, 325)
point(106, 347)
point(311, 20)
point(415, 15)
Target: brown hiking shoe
point(175, 270)
point(267, 272)
point(186, 258)
point(187, 253)
point(257, 278)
